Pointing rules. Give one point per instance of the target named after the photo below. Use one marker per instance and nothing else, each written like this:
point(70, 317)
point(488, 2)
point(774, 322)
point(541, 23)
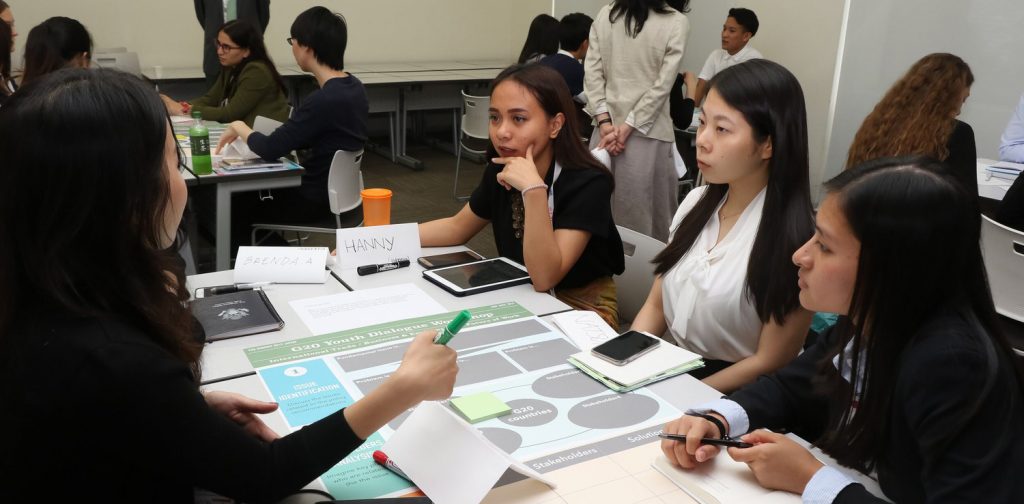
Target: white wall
point(588, 7)
point(802, 35)
point(886, 37)
point(168, 34)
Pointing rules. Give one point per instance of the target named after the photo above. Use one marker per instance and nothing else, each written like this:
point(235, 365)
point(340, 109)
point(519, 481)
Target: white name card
point(377, 244)
point(281, 264)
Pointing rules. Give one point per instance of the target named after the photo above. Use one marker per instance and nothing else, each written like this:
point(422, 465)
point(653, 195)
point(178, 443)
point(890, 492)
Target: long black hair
point(5, 56)
point(920, 255)
point(82, 226)
point(772, 102)
point(541, 39)
point(636, 12)
point(550, 90)
point(52, 44)
point(246, 35)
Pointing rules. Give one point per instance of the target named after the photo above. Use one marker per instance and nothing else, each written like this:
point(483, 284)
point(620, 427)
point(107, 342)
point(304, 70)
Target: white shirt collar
point(739, 54)
point(569, 54)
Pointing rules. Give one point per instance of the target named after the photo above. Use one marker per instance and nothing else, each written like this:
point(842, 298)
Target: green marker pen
point(445, 335)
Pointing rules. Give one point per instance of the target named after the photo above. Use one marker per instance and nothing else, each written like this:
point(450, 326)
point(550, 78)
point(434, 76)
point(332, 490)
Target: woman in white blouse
point(636, 47)
point(724, 285)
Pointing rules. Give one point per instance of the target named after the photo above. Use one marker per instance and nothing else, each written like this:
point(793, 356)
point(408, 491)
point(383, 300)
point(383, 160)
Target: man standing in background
point(212, 14)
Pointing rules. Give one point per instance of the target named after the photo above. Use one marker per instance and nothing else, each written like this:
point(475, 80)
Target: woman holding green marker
point(124, 407)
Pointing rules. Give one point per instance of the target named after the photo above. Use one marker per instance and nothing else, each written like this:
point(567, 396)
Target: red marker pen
point(382, 459)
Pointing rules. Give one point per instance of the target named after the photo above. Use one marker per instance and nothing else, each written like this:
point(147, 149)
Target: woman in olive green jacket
point(248, 85)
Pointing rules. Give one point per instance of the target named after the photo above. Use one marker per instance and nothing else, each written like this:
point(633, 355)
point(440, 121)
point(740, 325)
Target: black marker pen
point(377, 268)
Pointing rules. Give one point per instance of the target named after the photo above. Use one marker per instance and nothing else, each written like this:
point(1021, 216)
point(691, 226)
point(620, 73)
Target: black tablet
point(478, 276)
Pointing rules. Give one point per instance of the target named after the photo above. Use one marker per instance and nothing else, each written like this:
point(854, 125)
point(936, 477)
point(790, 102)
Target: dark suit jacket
point(941, 372)
point(210, 14)
point(569, 67)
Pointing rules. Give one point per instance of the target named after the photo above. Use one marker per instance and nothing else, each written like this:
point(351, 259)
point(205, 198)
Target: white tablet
point(479, 276)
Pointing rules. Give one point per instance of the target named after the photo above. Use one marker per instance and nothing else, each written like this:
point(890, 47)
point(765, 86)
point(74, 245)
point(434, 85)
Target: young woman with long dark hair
point(6, 43)
point(56, 43)
point(7, 34)
point(541, 40)
point(721, 288)
point(915, 383)
point(95, 336)
point(248, 85)
point(546, 197)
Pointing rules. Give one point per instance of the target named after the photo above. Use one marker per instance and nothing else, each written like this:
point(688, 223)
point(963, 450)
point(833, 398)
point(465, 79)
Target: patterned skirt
point(597, 296)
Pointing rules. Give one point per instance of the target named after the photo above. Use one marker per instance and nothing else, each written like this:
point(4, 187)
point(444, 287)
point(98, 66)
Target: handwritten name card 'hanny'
point(281, 264)
point(377, 244)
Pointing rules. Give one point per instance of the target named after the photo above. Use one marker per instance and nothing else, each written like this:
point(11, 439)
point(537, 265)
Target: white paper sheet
point(451, 461)
point(238, 149)
point(722, 481)
point(348, 310)
point(585, 328)
point(281, 264)
point(377, 244)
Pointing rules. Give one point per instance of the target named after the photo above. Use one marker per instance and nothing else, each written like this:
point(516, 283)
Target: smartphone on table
point(626, 347)
point(451, 259)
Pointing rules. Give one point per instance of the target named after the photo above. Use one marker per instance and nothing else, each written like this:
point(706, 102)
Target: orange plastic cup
point(376, 207)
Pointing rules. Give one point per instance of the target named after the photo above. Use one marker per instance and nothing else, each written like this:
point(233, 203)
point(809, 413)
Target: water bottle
point(199, 138)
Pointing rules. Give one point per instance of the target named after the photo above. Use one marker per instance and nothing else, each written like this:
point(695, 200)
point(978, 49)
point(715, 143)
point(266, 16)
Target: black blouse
point(101, 413)
point(582, 201)
point(963, 157)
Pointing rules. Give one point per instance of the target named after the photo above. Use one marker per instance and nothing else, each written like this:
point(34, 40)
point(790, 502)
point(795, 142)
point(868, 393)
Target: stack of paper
point(1005, 170)
point(664, 362)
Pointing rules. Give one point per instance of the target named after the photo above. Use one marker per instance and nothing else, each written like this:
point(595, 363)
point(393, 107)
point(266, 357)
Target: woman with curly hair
point(918, 116)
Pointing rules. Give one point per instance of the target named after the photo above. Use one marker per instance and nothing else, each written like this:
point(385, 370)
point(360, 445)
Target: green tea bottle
point(199, 138)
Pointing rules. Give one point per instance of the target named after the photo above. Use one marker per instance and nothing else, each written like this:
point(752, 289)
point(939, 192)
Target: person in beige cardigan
point(636, 47)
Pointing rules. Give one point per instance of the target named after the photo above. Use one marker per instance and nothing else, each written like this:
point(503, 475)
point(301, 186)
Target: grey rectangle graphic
point(541, 355)
point(592, 451)
point(497, 334)
point(483, 367)
point(475, 369)
point(392, 354)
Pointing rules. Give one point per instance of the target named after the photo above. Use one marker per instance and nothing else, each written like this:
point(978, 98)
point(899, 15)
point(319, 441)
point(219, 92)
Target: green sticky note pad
point(479, 407)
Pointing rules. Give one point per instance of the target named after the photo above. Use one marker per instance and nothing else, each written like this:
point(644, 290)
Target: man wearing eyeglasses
point(212, 14)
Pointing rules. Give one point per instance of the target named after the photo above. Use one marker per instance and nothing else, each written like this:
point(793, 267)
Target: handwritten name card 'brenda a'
point(377, 244)
point(281, 264)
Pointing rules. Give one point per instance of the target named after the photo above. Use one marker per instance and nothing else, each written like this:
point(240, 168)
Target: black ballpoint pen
point(734, 443)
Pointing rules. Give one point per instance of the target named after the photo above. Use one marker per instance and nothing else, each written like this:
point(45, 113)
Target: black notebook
point(237, 314)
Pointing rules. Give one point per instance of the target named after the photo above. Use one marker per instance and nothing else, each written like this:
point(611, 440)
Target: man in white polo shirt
point(739, 28)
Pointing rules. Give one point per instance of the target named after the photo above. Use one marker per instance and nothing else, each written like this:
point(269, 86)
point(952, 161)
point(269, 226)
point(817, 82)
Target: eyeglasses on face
point(290, 40)
point(225, 47)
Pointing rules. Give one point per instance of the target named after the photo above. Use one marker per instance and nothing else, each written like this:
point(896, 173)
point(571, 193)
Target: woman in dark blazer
point(916, 382)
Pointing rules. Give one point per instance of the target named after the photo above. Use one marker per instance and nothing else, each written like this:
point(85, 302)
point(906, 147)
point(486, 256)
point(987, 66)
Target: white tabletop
point(991, 187)
point(226, 358)
point(538, 303)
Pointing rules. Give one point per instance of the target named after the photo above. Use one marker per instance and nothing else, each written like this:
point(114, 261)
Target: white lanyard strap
point(551, 192)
